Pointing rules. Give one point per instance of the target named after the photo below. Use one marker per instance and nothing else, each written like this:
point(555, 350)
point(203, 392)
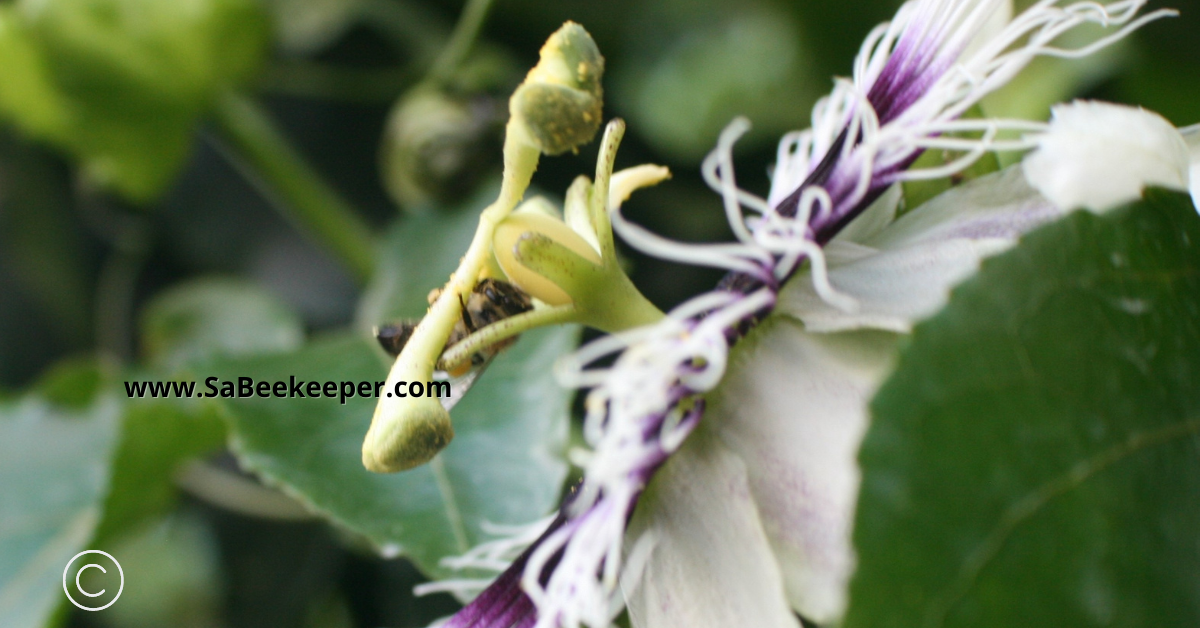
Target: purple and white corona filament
point(913, 81)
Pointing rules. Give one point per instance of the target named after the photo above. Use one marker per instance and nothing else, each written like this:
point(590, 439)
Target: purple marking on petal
point(503, 604)
point(495, 606)
point(520, 611)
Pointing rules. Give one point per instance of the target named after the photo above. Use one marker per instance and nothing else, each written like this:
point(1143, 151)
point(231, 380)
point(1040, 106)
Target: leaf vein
point(1026, 507)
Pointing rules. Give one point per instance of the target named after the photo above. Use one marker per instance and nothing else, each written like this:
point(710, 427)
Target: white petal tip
point(1191, 135)
point(1099, 155)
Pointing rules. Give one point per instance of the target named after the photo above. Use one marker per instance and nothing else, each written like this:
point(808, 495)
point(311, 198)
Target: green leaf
point(120, 84)
point(203, 319)
point(26, 91)
point(157, 437)
point(504, 465)
point(72, 383)
point(1035, 458)
point(54, 463)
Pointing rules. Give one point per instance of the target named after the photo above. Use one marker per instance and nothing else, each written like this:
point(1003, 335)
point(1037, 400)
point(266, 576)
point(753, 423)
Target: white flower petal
point(711, 565)
point(893, 289)
point(904, 272)
point(794, 408)
point(999, 205)
point(1099, 155)
point(1191, 135)
point(874, 218)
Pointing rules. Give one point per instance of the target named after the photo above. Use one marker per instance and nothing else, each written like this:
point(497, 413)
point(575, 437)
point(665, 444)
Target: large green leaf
point(120, 84)
point(55, 446)
point(1035, 458)
point(157, 437)
point(27, 92)
point(196, 321)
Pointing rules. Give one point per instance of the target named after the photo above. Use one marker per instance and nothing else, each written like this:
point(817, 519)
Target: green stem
point(466, 31)
point(115, 290)
point(294, 187)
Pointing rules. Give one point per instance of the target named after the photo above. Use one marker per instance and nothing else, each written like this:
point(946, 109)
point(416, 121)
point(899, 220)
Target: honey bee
point(491, 301)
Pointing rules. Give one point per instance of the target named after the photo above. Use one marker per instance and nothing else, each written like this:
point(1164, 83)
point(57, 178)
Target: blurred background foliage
point(192, 187)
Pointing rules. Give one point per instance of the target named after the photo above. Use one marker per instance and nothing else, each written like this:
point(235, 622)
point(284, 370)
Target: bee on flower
point(719, 475)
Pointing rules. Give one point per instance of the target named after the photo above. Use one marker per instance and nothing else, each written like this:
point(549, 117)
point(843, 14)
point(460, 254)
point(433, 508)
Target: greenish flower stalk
point(556, 109)
point(298, 192)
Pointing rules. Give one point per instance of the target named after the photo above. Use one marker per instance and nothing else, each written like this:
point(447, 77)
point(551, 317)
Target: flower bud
point(435, 146)
point(558, 107)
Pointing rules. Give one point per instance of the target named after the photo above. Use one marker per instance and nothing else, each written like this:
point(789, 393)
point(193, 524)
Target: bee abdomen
point(393, 336)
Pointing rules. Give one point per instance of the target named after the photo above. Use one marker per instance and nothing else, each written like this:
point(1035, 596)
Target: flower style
point(751, 507)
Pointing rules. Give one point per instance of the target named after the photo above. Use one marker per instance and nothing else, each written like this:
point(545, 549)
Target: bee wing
point(459, 385)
